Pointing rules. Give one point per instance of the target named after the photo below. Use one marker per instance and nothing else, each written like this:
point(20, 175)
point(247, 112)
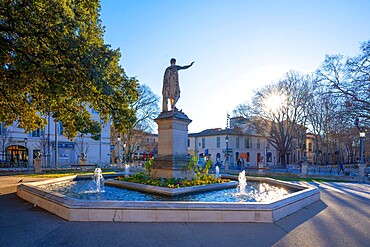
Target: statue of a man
point(171, 87)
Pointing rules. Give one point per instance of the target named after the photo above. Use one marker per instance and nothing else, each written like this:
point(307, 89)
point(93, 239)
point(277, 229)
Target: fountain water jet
point(242, 182)
point(127, 170)
point(98, 180)
point(217, 172)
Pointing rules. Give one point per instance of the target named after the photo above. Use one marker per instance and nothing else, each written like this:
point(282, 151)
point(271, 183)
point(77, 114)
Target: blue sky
point(237, 45)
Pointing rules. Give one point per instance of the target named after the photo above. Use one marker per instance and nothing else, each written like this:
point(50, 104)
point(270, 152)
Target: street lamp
point(124, 153)
point(265, 156)
point(119, 147)
point(227, 153)
point(362, 136)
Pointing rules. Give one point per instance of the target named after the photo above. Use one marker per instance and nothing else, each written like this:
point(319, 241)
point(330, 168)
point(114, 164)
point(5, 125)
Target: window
point(248, 157)
point(218, 142)
point(310, 146)
point(237, 142)
point(188, 142)
point(16, 153)
point(203, 142)
point(218, 157)
point(37, 133)
point(258, 143)
point(2, 129)
point(248, 142)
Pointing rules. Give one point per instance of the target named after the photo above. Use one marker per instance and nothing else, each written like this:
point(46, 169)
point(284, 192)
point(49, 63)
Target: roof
point(215, 132)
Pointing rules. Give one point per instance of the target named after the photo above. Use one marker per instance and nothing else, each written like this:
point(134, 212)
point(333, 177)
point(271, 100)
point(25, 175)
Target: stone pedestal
point(37, 165)
point(226, 165)
point(361, 173)
point(173, 157)
point(83, 165)
point(261, 169)
point(304, 166)
point(304, 170)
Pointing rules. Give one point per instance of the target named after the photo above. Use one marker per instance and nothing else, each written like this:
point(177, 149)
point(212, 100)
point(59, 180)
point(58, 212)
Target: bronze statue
point(171, 87)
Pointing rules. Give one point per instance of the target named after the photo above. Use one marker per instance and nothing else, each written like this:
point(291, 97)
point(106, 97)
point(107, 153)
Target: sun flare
point(273, 102)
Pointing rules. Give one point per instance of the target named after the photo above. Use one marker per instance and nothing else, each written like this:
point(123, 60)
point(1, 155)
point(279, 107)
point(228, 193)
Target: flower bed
point(144, 178)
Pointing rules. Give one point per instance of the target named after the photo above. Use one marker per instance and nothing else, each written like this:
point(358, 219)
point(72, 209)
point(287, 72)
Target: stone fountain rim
point(164, 211)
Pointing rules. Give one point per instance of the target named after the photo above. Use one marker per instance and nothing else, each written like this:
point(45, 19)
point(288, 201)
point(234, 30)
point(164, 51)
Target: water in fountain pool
point(254, 192)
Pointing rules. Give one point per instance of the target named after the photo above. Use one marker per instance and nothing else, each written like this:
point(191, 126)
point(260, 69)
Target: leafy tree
point(54, 61)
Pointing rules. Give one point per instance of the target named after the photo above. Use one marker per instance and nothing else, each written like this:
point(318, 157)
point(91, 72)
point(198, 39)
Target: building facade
point(232, 144)
point(19, 149)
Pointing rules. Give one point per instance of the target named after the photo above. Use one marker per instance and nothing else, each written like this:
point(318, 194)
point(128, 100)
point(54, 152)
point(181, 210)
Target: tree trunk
point(283, 159)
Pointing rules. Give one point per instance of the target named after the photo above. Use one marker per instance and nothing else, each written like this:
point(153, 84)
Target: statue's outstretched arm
point(186, 66)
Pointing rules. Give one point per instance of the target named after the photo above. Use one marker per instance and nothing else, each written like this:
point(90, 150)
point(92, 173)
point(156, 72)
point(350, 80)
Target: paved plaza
point(340, 218)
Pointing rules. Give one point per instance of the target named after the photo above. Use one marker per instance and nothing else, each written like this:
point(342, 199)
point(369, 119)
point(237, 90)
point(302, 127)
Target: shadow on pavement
point(292, 221)
point(22, 224)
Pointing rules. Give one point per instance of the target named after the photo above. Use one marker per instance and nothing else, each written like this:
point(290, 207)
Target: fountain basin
point(167, 211)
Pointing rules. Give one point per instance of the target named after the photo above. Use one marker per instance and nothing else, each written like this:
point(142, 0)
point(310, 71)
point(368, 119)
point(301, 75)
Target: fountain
point(98, 180)
point(217, 175)
point(170, 163)
point(242, 182)
point(148, 207)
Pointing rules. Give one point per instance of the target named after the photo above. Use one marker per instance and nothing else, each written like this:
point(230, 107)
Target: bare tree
point(349, 78)
point(346, 80)
point(44, 146)
point(82, 147)
point(5, 141)
point(279, 112)
point(147, 109)
point(325, 119)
